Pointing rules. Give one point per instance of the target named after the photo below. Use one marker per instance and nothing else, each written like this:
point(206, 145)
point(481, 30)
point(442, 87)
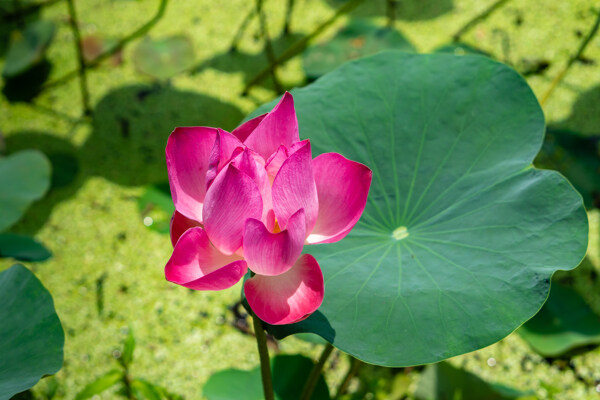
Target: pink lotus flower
point(252, 199)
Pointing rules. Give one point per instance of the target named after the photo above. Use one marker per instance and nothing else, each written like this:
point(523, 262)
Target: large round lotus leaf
point(31, 337)
point(564, 323)
point(460, 235)
point(163, 58)
point(359, 39)
point(27, 47)
point(24, 178)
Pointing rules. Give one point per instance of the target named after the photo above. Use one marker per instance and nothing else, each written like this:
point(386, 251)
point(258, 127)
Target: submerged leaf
point(359, 39)
point(165, 57)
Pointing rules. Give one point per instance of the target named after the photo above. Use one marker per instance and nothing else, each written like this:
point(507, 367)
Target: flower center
point(400, 233)
point(276, 228)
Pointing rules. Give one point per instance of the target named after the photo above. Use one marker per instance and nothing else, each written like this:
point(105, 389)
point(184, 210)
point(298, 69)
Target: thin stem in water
point(391, 13)
point(288, 17)
point(313, 378)
point(240, 32)
point(477, 19)
point(263, 352)
point(572, 60)
point(300, 45)
point(85, 94)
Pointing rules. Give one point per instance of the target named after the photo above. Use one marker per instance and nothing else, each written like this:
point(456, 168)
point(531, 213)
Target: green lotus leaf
point(28, 47)
point(31, 336)
point(564, 323)
point(24, 178)
point(460, 235)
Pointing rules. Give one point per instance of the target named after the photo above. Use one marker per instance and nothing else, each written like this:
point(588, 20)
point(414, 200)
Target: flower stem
point(315, 373)
point(263, 352)
point(572, 60)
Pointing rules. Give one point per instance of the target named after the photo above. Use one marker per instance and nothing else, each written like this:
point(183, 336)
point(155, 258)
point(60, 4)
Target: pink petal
point(252, 165)
point(294, 188)
point(273, 253)
point(343, 187)
point(289, 297)
point(230, 201)
point(278, 127)
point(179, 224)
point(243, 131)
point(274, 162)
point(221, 153)
point(188, 151)
point(198, 265)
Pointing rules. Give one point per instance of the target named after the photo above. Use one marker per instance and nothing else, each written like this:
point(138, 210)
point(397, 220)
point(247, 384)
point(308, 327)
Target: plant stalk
point(85, 94)
point(572, 60)
point(263, 352)
point(313, 377)
point(240, 32)
point(288, 17)
point(391, 13)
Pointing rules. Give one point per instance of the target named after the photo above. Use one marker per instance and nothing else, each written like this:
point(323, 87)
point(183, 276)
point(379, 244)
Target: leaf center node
point(400, 233)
